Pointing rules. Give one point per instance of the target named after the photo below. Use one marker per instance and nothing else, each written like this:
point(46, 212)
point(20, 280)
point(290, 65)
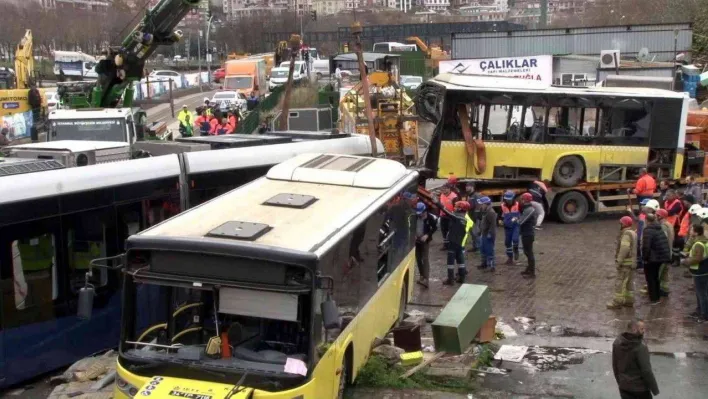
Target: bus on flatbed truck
point(588, 144)
point(299, 271)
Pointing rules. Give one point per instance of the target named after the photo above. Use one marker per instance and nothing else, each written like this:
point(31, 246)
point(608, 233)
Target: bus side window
point(86, 241)
point(30, 284)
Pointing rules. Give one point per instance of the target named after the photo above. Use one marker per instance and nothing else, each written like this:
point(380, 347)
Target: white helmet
point(206, 99)
point(653, 204)
point(693, 210)
point(702, 213)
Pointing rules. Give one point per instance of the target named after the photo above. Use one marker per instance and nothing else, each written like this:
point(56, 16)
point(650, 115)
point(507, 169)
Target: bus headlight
point(126, 387)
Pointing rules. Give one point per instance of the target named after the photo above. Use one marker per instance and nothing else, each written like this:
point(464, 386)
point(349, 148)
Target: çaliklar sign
point(538, 67)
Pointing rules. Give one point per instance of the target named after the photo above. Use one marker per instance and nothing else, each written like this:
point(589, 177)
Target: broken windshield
point(238, 82)
point(225, 330)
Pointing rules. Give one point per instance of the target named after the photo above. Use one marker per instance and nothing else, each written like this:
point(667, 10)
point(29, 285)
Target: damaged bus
point(276, 289)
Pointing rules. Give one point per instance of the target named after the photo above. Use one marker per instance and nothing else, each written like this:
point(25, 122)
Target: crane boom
point(24, 61)
point(123, 65)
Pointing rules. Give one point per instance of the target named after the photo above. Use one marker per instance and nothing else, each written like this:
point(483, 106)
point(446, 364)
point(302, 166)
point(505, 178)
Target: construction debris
point(88, 378)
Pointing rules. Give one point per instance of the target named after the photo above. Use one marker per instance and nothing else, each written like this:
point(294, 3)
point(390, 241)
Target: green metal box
point(461, 318)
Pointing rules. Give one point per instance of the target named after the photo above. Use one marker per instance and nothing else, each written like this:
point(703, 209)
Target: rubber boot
point(516, 254)
point(450, 276)
point(461, 274)
point(529, 273)
point(510, 261)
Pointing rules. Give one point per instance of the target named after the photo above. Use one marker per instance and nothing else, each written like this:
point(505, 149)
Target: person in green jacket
point(697, 262)
point(626, 262)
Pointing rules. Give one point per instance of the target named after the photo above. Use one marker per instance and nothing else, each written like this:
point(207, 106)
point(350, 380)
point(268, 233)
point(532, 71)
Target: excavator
point(121, 66)
point(434, 54)
point(14, 91)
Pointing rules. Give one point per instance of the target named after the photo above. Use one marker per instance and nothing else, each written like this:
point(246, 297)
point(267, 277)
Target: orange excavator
point(434, 53)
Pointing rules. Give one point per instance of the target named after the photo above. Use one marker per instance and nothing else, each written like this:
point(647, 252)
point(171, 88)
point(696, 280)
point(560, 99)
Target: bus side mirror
point(86, 295)
point(330, 313)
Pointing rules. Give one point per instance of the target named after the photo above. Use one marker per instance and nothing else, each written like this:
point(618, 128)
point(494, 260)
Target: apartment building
point(91, 5)
point(327, 7)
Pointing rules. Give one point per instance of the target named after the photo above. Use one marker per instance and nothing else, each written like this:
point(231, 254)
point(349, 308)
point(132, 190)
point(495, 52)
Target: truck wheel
point(572, 207)
point(568, 171)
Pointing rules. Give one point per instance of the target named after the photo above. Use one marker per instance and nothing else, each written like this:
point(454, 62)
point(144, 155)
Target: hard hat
point(484, 200)
point(184, 105)
point(694, 209)
point(702, 213)
point(644, 201)
point(527, 197)
point(626, 221)
point(420, 208)
point(206, 99)
point(452, 180)
point(462, 205)
point(509, 195)
point(662, 213)
point(653, 204)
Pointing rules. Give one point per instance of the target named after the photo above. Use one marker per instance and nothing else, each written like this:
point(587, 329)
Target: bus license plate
point(189, 395)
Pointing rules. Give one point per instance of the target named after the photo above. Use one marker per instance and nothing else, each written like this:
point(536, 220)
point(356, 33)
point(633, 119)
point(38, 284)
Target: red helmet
point(527, 197)
point(626, 221)
point(452, 180)
point(462, 205)
point(662, 213)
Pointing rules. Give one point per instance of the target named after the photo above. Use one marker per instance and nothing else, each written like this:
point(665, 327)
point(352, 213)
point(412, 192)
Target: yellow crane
point(16, 115)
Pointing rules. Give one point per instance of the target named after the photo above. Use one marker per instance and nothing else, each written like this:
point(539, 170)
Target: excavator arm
point(418, 42)
point(123, 65)
point(24, 62)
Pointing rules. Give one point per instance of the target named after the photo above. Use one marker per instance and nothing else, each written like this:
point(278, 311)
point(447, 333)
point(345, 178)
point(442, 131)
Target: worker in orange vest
point(644, 187)
point(447, 201)
point(224, 127)
point(214, 126)
point(233, 121)
point(674, 207)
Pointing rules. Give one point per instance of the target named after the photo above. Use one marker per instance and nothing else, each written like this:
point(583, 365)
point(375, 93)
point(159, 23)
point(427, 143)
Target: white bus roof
point(90, 113)
point(73, 180)
point(71, 145)
point(344, 188)
point(456, 81)
point(214, 161)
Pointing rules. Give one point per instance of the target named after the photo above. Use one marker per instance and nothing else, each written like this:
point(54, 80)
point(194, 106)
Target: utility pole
point(357, 31)
point(208, 50)
point(544, 14)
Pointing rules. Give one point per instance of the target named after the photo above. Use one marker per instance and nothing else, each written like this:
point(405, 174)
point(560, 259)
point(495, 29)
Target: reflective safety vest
point(37, 253)
point(509, 213)
point(673, 220)
point(700, 268)
point(685, 225)
point(82, 260)
point(447, 202)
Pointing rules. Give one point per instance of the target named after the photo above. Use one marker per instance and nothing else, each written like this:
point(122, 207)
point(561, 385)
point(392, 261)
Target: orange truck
point(245, 76)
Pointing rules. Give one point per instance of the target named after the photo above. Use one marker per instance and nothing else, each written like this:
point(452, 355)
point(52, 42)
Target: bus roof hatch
point(240, 230)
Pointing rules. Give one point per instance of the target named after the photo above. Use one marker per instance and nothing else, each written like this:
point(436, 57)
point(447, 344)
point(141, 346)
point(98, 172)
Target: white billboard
point(539, 67)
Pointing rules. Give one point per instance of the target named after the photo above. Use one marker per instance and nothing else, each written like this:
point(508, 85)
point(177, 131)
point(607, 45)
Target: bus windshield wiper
point(237, 388)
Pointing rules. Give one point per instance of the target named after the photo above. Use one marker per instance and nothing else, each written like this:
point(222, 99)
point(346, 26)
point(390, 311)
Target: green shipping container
point(462, 318)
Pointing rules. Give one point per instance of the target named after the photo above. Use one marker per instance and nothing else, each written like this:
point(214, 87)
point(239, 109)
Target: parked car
point(411, 82)
point(225, 100)
point(52, 100)
point(165, 74)
point(219, 75)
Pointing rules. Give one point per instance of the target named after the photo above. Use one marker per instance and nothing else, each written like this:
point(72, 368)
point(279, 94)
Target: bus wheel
point(572, 207)
point(402, 304)
point(343, 377)
point(568, 171)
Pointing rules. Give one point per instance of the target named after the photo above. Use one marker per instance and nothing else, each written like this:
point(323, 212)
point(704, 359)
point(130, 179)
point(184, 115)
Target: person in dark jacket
point(631, 364)
point(426, 225)
point(487, 233)
point(527, 225)
point(458, 234)
point(34, 99)
point(655, 251)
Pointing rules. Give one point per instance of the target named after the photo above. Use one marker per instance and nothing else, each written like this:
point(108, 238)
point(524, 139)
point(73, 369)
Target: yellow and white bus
point(496, 128)
point(276, 289)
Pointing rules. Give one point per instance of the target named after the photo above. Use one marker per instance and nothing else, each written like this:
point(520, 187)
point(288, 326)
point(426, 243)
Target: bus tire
point(572, 207)
point(344, 376)
point(403, 301)
point(568, 171)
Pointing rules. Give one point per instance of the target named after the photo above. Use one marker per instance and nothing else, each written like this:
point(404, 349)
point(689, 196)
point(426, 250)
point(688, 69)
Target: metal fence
point(251, 122)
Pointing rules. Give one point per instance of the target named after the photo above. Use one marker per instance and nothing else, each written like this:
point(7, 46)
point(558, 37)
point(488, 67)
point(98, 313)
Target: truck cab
point(126, 125)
